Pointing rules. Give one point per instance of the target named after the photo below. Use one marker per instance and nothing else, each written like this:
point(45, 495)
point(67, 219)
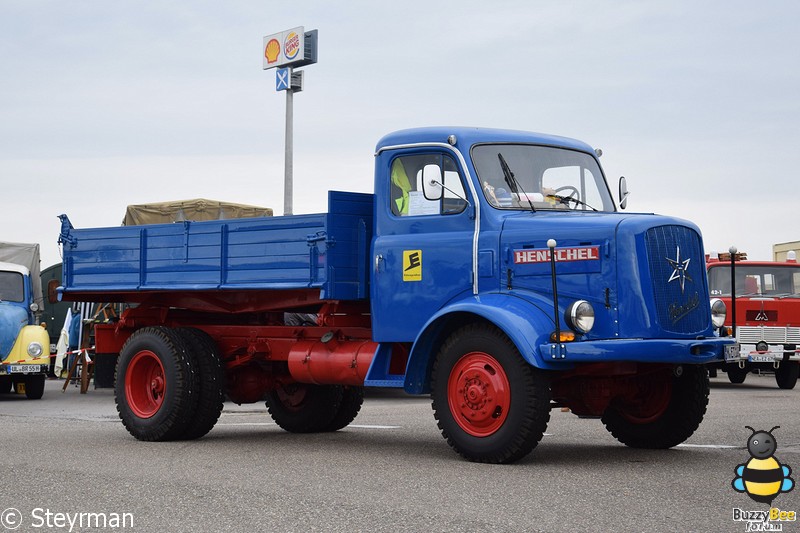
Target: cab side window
point(407, 197)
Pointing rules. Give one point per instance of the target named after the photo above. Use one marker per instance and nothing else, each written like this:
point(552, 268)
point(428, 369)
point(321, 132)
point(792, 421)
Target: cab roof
point(13, 267)
point(466, 137)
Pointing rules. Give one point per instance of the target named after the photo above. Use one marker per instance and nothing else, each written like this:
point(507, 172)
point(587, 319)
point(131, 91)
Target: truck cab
point(462, 225)
point(765, 296)
point(24, 345)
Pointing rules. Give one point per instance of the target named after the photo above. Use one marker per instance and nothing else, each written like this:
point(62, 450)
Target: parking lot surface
point(68, 454)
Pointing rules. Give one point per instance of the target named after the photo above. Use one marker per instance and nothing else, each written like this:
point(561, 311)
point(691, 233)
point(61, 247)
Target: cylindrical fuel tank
point(332, 362)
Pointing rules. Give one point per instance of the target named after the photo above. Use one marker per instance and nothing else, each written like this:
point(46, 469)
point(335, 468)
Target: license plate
point(761, 358)
point(732, 352)
point(23, 369)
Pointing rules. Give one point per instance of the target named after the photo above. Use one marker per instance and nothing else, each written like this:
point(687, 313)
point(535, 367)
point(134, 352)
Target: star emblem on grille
point(679, 269)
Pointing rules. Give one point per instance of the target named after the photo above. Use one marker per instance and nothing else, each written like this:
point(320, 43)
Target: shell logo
point(272, 50)
point(291, 45)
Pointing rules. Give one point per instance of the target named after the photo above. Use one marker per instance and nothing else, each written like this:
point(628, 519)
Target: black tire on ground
point(156, 385)
point(786, 375)
point(304, 408)
point(352, 398)
point(681, 417)
point(5, 384)
point(211, 390)
point(34, 386)
point(490, 404)
point(735, 373)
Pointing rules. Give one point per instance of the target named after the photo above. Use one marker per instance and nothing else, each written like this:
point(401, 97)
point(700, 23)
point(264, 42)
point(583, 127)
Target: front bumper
point(774, 353)
point(671, 351)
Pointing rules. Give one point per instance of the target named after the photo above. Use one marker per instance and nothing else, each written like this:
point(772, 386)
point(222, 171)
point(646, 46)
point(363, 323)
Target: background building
point(779, 250)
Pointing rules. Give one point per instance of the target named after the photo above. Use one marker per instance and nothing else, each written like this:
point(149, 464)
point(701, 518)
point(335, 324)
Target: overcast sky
point(105, 104)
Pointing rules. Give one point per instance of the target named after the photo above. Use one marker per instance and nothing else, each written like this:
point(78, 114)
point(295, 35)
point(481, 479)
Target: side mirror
point(52, 294)
point(623, 192)
point(432, 182)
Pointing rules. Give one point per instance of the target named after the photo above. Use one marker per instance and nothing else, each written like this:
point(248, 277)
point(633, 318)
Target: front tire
point(5, 384)
point(34, 387)
point(736, 374)
point(668, 412)
point(786, 375)
point(490, 404)
point(156, 385)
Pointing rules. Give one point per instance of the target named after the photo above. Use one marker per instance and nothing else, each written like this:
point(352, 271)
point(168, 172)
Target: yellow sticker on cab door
point(412, 265)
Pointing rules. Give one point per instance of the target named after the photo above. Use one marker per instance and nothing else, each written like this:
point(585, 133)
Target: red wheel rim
point(651, 401)
point(145, 384)
point(292, 396)
point(479, 394)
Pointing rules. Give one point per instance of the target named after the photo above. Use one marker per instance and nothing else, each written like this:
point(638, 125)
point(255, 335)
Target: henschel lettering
point(542, 255)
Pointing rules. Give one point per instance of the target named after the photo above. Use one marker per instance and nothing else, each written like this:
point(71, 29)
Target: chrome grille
point(768, 334)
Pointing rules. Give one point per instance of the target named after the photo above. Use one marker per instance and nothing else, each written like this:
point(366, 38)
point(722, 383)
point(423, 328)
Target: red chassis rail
point(259, 349)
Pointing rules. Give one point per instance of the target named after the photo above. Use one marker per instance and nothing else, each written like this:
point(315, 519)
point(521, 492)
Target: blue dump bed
point(327, 251)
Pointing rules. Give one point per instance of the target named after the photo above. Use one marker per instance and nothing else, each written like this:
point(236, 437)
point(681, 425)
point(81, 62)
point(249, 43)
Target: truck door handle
point(378, 260)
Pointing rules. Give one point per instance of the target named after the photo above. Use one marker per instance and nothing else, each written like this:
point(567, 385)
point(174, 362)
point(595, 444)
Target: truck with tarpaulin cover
point(24, 344)
point(490, 269)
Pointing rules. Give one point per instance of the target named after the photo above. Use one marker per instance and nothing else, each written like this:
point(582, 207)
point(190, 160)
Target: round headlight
point(580, 316)
point(34, 307)
point(35, 349)
point(718, 313)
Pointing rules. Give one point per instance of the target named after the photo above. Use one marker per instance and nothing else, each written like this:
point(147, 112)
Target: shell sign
point(272, 50)
point(289, 48)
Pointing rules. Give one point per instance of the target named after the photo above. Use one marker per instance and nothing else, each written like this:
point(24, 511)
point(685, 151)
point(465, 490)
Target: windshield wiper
point(512, 182)
point(567, 199)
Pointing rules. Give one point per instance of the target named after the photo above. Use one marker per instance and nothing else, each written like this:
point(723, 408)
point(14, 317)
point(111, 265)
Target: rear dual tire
point(169, 384)
point(305, 408)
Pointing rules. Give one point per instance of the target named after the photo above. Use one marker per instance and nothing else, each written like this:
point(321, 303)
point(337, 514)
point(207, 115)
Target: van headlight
point(580, 316)
point(718, 312)
point(35, 349)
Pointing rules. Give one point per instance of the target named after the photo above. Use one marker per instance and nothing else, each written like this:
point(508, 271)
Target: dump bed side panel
point(326, 251)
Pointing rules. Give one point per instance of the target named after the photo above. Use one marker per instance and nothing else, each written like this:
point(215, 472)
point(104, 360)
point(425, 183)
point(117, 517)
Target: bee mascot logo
point(762, 477)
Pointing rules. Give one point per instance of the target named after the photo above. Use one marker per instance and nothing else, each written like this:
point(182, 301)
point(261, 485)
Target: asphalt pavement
point(67, 458)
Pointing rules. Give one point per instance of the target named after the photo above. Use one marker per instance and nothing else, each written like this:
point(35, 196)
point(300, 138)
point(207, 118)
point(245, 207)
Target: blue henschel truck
point(490, 269)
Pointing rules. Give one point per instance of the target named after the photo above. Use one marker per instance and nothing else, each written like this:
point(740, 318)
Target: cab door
point(422, 251)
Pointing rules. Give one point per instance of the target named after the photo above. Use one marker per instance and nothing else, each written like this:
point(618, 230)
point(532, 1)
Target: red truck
point(764, 315)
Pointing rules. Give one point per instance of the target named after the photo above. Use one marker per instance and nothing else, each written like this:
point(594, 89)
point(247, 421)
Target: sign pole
point(288, 184)
point(291, 48)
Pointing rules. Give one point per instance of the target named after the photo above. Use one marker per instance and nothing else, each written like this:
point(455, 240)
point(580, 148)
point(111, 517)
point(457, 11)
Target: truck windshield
point(11, 287)
point(544, 177)
point(754, 280)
